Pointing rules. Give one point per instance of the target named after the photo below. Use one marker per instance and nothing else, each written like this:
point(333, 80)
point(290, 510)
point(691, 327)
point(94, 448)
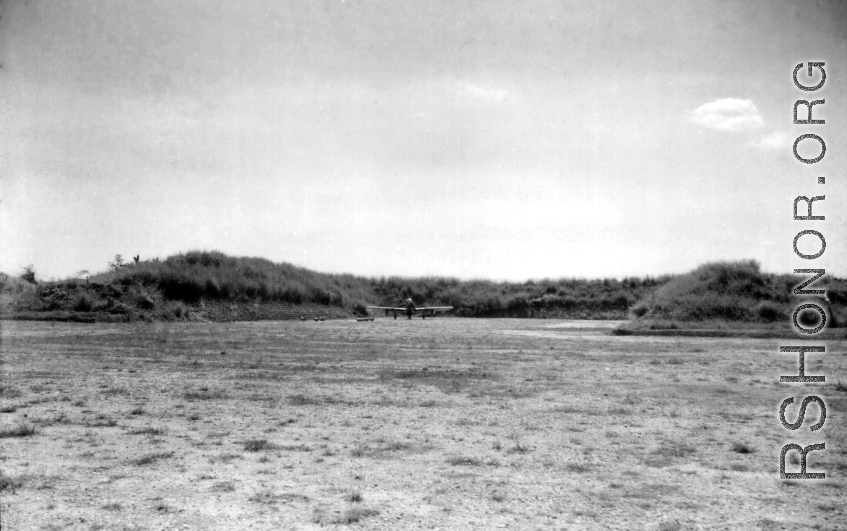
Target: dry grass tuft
point(303, 400)
point(148, 431)
point(465, 461)
point(205, 394)
point(9, 391)
point(354, 496)
point(21, 429)
point(8, 483)
point(102, 421)
point(742, 448)
point(578, 468)
point(152, 458)
point(223, 486)
point(256, 445)
point(355, 514)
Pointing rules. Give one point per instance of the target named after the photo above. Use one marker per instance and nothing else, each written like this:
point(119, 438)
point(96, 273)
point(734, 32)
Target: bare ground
point(424, 424)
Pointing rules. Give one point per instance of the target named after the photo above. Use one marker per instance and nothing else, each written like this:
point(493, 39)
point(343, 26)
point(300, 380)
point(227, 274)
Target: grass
point(9, 483)
point(257, 445)
point(742, 448)
point(148, 431)
point(21, 429)
point(730, 292)
point(9, 391)
point(102, 421)
point(464, 461)
point(668, 451)
point(223, 486)
point(355, 514)
point(265, 496)
point(161, 288)
point(518, 448)
point(578, 468)
point(152, 458)
point(303, 400)
point(299, 447)
point(205, 394)
point(399, 438)
point(114, 506)
point(354, 496)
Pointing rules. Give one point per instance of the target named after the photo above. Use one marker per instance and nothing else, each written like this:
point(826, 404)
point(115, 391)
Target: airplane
point(409, 309)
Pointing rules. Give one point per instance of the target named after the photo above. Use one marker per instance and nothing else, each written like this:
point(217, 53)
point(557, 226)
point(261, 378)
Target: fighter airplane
point(410, 309)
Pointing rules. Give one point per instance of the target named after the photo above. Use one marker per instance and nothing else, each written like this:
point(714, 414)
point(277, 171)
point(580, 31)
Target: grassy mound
point(171, 288)
point(194, 275)
point(726, 294)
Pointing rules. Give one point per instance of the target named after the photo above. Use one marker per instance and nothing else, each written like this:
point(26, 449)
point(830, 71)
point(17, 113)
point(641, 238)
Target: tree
point(29, 274)
point(118, 263)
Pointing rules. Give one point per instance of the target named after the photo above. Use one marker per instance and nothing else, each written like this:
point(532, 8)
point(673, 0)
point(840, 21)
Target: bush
point(28, 274)
point(769, 312)
point(83, 303)
point(145, 302)
point(640, 309)
point(181, 311)
point(727, 291)
point(809, 318)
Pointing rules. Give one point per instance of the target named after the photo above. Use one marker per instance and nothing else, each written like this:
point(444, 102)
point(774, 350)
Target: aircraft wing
point(385, 308)
point(435, 308)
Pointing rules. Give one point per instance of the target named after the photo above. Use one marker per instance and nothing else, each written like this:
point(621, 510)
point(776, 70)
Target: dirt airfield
point(441, 423)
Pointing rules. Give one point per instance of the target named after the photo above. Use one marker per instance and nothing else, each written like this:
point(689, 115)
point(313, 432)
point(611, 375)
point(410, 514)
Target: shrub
point(640, 309)
point(145, 302)
point(769, 312)
point(809, 318)
point(83, 303)
point(729, 291)
point(28, 274)
point(180, 310)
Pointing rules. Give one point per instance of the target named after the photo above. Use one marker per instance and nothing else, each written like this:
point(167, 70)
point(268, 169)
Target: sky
point(504, 140)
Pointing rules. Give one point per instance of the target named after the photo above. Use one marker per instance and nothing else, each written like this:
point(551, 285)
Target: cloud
point(728, 114)
point(771, 142)
point(486, 94)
